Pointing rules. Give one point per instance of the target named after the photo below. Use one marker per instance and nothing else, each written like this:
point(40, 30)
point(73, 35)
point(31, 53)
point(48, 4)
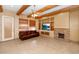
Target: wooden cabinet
point(45, 33)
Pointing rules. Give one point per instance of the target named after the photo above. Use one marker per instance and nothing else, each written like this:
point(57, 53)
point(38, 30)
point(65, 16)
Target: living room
point(37, 28)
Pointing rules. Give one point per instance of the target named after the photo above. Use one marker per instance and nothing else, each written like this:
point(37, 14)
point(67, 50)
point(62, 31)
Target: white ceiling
point(15, 8)
point(32, 8)
point(54, 9)
point(29, 10)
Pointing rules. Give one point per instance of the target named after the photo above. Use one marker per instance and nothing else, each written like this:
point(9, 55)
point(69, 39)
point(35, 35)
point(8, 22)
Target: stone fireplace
point(62, 33)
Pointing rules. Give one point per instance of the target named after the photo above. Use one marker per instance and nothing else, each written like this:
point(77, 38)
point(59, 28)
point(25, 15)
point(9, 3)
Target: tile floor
point(39, 45)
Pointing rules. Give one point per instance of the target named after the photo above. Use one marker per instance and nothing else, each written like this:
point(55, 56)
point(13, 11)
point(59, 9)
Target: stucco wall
point(0, 26)
point(74, 25)
point(61, 20)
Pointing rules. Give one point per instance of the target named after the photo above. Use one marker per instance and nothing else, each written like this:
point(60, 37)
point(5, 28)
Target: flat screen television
point(46, 26)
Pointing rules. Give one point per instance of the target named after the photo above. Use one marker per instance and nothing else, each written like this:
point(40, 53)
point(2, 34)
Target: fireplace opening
point(61, 35)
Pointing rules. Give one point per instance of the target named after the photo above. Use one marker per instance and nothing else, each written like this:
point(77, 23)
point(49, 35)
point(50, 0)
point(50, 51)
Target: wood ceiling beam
point(1, 8)
point(24, 7)
point(44, 9)
point(60, 11)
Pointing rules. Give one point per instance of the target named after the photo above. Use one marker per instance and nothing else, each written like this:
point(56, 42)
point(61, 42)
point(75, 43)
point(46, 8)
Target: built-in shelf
point(49, 20)
point(27, 24)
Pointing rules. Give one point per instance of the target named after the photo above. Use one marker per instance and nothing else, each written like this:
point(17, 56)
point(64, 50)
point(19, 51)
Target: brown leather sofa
point(23, 35)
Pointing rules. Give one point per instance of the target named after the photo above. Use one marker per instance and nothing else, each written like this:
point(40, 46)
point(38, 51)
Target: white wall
point(16, 22)
point(74, 25)
point(37, 24)
point(0, 26)
point(16, 26)
point(61, 20)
